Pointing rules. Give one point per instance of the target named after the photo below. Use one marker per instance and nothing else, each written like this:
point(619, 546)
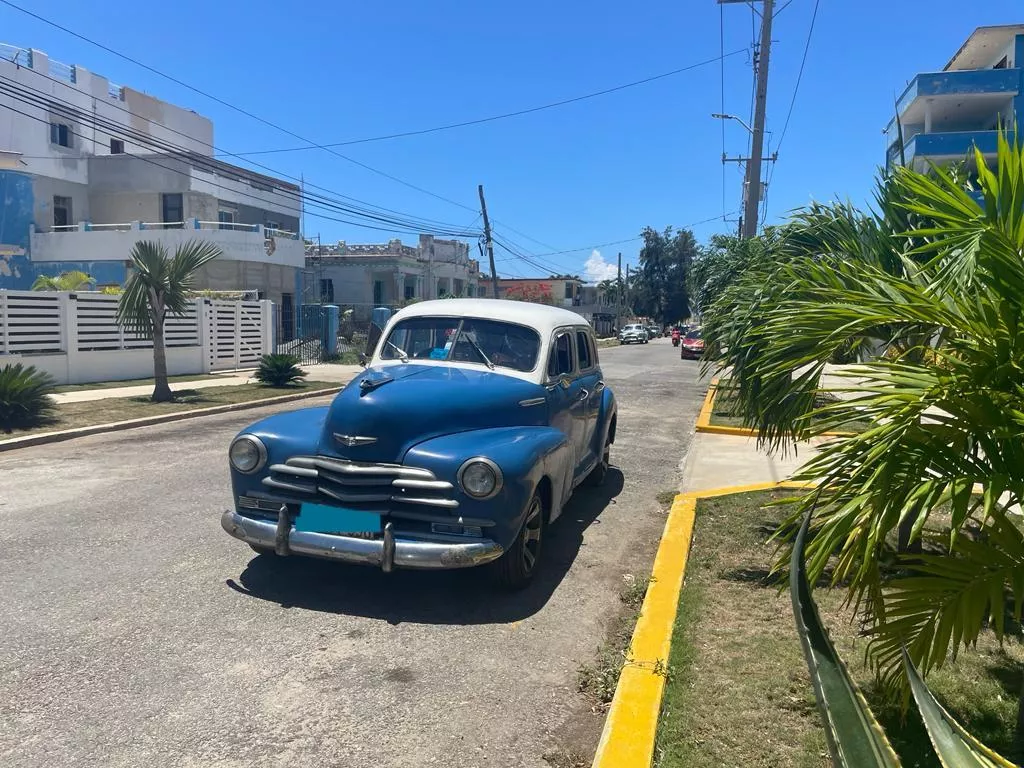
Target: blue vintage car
point(461, 441)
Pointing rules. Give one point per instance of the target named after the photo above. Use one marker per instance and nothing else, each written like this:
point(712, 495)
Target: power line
point(240, 110)
point(40, 102)
point(505, 115)
point(799, 77)
point(427, 224)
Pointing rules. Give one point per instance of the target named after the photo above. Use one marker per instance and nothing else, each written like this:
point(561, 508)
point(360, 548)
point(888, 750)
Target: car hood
point(387, 410)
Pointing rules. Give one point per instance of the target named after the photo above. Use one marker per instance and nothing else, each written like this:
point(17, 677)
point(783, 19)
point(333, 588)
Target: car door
point(566, 397)
point(588, 375)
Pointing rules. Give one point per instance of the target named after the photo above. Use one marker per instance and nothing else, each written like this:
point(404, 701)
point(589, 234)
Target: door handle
point(584, 394)
point(599, 387)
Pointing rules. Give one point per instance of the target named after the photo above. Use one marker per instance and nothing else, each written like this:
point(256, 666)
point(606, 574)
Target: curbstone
point(163, 418)
point(631, 728)
point(704, 420)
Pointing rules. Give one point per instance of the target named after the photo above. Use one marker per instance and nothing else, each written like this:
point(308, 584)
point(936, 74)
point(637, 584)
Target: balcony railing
point(88, 226)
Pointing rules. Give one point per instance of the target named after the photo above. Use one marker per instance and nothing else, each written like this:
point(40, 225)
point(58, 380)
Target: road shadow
point(468, 596)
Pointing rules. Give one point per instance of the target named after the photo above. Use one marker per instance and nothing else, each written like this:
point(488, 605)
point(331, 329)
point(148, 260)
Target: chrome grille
point(350, 482)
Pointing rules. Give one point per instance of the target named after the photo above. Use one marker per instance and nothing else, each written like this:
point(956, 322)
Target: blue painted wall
point(17, 271)
point(16, 202)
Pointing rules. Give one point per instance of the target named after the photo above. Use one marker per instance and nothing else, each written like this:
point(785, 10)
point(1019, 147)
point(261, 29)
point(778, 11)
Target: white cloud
point(597, 269)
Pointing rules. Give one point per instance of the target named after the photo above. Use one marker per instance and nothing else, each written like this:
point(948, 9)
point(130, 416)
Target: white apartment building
point(88, 168)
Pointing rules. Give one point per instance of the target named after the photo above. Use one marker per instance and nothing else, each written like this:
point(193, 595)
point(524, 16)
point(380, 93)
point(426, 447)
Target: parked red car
point(693, 346)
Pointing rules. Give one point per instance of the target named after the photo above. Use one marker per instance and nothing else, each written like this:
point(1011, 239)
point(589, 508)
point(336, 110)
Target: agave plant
point(855, 739)
point(24, 397)
point(946, 298)
point(278, 370)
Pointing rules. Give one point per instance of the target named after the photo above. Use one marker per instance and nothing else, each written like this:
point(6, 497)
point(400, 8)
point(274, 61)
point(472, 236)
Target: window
point(560, 363)
point(226, 218)
point(60, 134)
point(568, 289)
point(584, 356)
point(62, 211)
point(272, 225)
point(378, 292)
point(116, 147)
point(1003, 63)
point(327, 290)
point(173, 210)
point(410, 291)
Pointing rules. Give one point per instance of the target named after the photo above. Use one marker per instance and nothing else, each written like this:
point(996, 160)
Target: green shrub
point(279, 370)
point(24, 397)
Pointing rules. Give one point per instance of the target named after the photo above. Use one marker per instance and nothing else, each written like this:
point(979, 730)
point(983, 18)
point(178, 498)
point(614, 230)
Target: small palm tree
point(159, 285)
point(65, 281)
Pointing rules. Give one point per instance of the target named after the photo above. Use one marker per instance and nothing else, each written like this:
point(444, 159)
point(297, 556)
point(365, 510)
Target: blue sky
point(591, 172)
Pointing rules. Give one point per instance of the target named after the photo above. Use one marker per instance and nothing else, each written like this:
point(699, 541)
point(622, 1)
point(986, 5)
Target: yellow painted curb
point(627, 740)
point(704, 420)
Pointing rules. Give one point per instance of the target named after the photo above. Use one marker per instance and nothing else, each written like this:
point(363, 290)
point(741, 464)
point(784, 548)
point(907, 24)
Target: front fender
point(293, 433)
point(527, 457)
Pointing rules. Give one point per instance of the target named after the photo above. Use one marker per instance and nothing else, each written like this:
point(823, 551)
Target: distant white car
point(634, 333)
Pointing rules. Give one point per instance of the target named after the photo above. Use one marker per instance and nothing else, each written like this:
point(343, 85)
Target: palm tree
point(65, 281)
point(938, 282)
point(159, 285)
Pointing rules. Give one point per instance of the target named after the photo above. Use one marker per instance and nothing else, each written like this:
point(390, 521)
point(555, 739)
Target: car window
point(560, 362)
point(593, 349)
point(467, 340)
point(584, 358)
point(693, 335)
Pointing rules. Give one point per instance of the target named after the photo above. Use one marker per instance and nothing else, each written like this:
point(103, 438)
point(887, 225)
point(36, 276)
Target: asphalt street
point(135, 632)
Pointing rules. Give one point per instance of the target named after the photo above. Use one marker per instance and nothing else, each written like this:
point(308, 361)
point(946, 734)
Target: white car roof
point(541, 317)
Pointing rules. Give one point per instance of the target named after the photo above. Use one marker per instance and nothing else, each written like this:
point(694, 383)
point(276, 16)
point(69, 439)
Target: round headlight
point(247, 454)
point(480, 478)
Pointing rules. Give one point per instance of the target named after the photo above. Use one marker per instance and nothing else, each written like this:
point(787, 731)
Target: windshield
point(695, 335)
point(466, 340)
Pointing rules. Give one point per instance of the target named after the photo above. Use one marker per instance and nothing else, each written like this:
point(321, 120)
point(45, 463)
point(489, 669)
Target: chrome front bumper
point(386, 553)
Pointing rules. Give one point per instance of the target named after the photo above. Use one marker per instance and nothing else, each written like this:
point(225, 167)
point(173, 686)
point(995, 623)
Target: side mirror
point(565, 382)
point(363, 360)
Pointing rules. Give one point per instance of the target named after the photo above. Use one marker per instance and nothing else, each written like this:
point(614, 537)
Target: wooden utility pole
point(753, 183)
point(618, 296)
point(629, 312)
point(487, 238)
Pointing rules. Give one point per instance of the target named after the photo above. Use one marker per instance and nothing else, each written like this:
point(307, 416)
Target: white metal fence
point(76, 338)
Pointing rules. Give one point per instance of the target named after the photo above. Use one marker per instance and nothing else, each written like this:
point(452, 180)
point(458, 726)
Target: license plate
point(323, 518)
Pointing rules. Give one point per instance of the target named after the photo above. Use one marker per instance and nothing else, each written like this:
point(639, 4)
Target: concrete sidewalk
point(719, 461)
point(334, 373)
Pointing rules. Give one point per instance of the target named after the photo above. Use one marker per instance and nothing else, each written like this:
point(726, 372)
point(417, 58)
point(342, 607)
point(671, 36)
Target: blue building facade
point(945, 115)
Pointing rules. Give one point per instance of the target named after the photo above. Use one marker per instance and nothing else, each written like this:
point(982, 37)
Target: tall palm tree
point(159, 285)
point(65, 281)
point(945, 297)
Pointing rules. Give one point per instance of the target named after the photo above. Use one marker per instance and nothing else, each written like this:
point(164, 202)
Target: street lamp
point(719, 116)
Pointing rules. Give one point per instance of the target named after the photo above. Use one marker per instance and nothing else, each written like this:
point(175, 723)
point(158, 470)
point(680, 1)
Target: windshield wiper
point(486, 359)
point(402, 355)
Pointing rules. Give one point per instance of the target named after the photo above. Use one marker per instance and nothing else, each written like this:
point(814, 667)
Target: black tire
point(517, 567)
point(262, 550)
point(597, 475)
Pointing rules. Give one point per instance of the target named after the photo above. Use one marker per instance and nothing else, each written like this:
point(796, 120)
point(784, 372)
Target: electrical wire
point(796, 88)
point(505, 115)
point(210, 167)
point(240, 110)
point(721, 74)
point(427, 223)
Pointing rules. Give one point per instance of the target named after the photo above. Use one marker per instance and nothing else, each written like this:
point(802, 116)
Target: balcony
point(957, 84)
point(944, 147)
point(86, 242)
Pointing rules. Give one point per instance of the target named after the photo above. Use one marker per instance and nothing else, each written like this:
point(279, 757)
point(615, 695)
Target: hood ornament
point(353, 440)
point(368, 385)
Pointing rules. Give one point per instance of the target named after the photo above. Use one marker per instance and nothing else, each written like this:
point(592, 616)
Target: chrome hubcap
point(531, 535)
